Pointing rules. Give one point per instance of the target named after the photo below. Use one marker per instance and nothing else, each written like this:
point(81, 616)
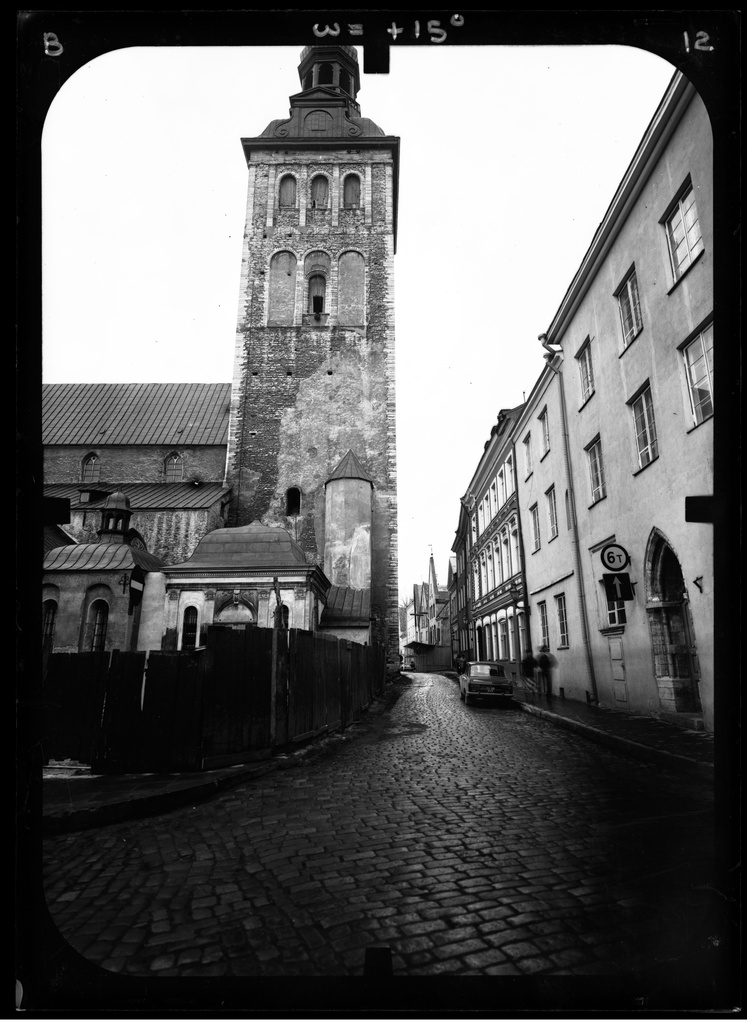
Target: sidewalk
point(73, 799)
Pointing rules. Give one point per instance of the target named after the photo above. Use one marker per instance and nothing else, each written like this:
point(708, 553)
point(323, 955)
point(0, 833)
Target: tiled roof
point(347, 605)
point(98, 557)
point(349, 468)
point(143, 496)
point(162, 414)
point(245, 547)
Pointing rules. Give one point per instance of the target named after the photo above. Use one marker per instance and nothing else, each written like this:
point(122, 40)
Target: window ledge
point(642, 468)
point(530, 474)
point(684, 273)
point(631, 343)
point(554, 537)
point(563, 647)
point(535, 550)
point(544, 455)
point(587, 399)
point(612, 630)
point(696, 425)
point(597, 501)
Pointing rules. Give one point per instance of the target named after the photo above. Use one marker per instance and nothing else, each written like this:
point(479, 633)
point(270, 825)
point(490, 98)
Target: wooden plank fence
point(248, 692)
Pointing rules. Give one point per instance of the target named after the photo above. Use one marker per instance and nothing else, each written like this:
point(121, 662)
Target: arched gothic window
point(287, 191)
point(90, 469)
point(174, 468)
point(325, 74)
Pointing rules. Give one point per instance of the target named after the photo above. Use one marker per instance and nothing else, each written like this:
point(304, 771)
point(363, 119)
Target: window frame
point(707, 357)
point(535, 526)
point(648, 451)
point(545, 432)
point(676, 210)
point(561, 611)
point(528, 465)
point(586, 371)
point(596, 462)
point(287, 176)
point(629, 289)
point(552, 512)
point(544, 624)
point(94, 462)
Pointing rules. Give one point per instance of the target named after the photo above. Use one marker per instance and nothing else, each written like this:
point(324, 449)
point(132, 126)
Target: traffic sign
point(617, 586)
point(614, 557)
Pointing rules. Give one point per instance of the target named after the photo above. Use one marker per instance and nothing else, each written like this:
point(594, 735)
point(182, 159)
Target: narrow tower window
point(288, 191)
point(319, 192)
point(325, 76)
point(292, 501)
point(317, 292)
point(174, 469)
point(91, 469)
point(351, 192)
point(99, 617)
point(189, 629)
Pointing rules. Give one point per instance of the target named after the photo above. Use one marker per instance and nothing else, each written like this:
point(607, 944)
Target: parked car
point(484, 679)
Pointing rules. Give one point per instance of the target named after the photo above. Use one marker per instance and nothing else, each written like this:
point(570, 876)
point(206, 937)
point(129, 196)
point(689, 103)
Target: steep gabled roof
point(96, 415)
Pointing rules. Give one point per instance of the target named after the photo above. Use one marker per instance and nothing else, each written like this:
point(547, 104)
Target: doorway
point(673, 645)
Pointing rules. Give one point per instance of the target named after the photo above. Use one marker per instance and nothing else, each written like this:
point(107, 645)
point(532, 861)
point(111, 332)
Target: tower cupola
point(331, 67)
point(115, 519)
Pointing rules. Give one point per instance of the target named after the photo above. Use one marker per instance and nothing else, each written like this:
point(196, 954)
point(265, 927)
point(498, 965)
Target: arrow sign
point(617, 586)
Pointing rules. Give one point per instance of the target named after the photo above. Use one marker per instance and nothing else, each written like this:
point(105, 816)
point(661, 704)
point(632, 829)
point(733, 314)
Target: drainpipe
point(574, 525)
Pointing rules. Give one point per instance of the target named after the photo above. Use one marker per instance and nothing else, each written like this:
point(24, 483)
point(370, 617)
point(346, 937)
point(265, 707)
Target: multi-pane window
point(552, 512)
point(630, 308)
point(174, 469)
point(616, 612)
point(509, 476)
point(503, 638)
point(645, 428)
point(699, 368)
point(586, 371)
point(596, 469)
point(534, 512)
point(544, 628)
point(90, 470)
point(562, 619)
point(189, 629)
point(683, 234)
point(528, 454)
point(545, 432)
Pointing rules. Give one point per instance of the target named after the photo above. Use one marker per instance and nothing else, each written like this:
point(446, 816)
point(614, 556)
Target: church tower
point(314, 358)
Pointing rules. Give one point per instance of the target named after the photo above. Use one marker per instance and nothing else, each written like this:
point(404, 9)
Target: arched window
point(325, 74)
point(317, 293)
point(351, 192)
point(49, 615)
point(99, 618)
point(288, 191)
point(189, 629)
point(282, 288)
point(292, 501)
point(174, 468)
point(90, 469)
point(319, 192)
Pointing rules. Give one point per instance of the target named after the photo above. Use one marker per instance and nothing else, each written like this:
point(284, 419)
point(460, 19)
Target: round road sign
point(614, 557)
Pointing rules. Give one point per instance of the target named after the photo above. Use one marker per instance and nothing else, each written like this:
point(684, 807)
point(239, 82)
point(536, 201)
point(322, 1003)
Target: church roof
point(176, 497)
point(245, 547)
point(347, 606)
point(165, 414)
point(349, 468)
point(100, 557)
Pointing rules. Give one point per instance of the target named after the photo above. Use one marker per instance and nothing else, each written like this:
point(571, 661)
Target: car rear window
point(486, 670)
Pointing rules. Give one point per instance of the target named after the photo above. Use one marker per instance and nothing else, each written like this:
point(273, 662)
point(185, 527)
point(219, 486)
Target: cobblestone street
point(468, 840)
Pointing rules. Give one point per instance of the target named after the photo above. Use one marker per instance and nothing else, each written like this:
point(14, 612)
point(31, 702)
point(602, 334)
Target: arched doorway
point(673, 644)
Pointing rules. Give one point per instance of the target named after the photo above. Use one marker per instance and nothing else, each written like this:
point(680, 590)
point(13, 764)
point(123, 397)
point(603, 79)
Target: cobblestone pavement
point(474, 840)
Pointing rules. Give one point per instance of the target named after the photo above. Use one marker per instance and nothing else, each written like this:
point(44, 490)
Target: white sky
point(509, 159)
